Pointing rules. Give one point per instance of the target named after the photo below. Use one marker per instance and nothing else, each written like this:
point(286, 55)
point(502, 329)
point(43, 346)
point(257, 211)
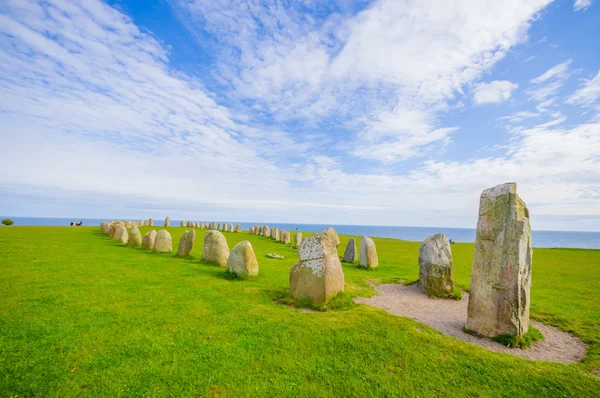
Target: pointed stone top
point(502, 189)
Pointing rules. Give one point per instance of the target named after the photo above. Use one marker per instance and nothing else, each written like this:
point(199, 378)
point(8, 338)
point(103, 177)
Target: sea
point(542, 238)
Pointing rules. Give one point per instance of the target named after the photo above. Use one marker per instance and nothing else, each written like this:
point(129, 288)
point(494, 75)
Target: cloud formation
point(493, 92)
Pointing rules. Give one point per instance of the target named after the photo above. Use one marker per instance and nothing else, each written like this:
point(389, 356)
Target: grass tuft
point(525, 341)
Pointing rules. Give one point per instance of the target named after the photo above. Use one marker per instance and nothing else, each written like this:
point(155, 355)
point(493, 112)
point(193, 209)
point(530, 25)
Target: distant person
point(72, 223)
point(80, 223)
point(451, 242)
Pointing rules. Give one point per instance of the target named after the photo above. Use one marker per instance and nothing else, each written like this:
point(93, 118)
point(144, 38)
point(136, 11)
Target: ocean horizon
point(540, 238)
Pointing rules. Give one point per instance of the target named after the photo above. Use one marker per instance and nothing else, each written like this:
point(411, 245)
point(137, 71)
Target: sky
point(331, 112)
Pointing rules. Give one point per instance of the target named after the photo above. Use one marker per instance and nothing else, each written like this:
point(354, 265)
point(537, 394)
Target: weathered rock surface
point(103, 226)
point(150, 222)
point(368, 253)
point(285, 238)
point(238, 228)
point(148, 240)
point(163, 242)
point(266, 231)
point(167, 222)
point(242, 260)
point(186, 243)
point(334, 235)
point(351, 254)
point(128, 224)
point(123, 236)
point(501, 277)
point(215, 248)
point(435, 267)
point(297, 239)
point(117, 231)
point(182, 223)
point(110, 230)
point(318, 276)
point(277, 234)
point(135, 237)
point(274, 255)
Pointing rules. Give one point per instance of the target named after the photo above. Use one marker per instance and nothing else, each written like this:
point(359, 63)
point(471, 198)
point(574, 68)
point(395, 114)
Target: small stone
point(242, 260)
point(135, 237)
point(318, 276)
point(277, 256)
point(148, 240)
point(215, 248)
point(368, 253)
point(435, 267)
point(163, 242)
point(186, 243)
point(351, 254)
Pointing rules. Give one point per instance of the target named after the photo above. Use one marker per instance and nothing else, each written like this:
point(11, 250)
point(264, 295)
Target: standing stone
point(117, 231)
point(297, 239)
point(238, 228)
point(148, 240)
point(182, 223)
point(163, 242)
point(111, 229)
point(123, 236)
point(135, 238)
point(286, 238)
point(150, 222)
point(251, 230)
point(128, 224)
point(435, 267)
point(230, 227)
point(334, 235)
point(501, 277)
point(242, 260)
point(266, 231)
point(135, 224)
point(103, 226)
point(368, 253)
point(318, 276)
point(277, 234)
point(351, 254)
point(215, 248)
point(167, 222)
point(274, 233)
point(186, 243)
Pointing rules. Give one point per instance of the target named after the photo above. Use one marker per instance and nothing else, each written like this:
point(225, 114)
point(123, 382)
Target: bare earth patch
point(449, 317)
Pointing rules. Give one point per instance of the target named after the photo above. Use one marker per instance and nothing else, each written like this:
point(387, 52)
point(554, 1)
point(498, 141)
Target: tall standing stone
point(123, 236)
point(103, 226)
point(277, 234)
point(215, 248)
point(238, 228)
point(150, 222)
point(182, 223)
point(285, 238)
point(242, 260)
point(167, 222)
point(501, 278)
point(135, 237)
point(148, 240)
point(435, 267)
point(117, 231)
point(128, 224)
point(110, 230)
point(351, 254)
point(266, 231)
point(368, 253)
point(297, 239)
point(231, 227)
point(318, 275)
point(163, 242)
point(186, 243)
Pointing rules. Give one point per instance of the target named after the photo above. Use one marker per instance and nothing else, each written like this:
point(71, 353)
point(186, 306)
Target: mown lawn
point(83, 315)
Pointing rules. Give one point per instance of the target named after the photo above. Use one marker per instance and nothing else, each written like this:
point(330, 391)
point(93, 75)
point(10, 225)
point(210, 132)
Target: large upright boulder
point(277, 234)
point(435, 267)
point(186, 243)
point(116, 233)
point(148, 240)
point(368, 253)
point(163, 242)
point(251, 231)
point(128, 224)
point(297, 239)
point(150, 222)
point(266, 231)
point(110, 230)
point(318, 276)
point(238, 228)
point(501, 278)
point(167, 222)
point(123, 236)
point(285, 237)
point(215, 248)
point(135, 237)
point(182, 223)
point(351, 254)
point(334, 235)
point(242, 260)
point(103, 227)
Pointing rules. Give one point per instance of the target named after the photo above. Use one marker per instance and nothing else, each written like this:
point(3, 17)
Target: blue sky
point(342, 112)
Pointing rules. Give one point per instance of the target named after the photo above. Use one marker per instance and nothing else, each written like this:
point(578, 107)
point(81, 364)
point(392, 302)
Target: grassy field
point(83, 315)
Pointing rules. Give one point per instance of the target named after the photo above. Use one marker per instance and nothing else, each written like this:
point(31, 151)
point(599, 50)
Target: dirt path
point(449, 317)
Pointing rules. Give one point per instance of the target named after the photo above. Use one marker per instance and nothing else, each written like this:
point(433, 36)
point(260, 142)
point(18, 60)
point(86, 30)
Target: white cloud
point(588, 93)
point(582, 4)
point(545, 87)
point(493, 92)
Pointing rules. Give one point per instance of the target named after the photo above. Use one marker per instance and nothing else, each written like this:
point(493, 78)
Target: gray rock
point(150, 222)
point(297, 239)
point(435, 267)
point(318, 275)
point(266, 231)
point(501, 278)
point(167, 222)
point(135, 237)
point(148, 240)
point(215, 248)
point(285, 238)
point(186, 243)
point(277, 256)
point(242, 260)
point(333, 233)
point(123, 236)
point(163, 242)
point(368, 253)
point(351, 254)
point(103, 227)
point(238, 228)
point(182, 223)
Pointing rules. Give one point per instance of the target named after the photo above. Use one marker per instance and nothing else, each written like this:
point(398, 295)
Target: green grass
point(83, 315)
point(525, 341)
